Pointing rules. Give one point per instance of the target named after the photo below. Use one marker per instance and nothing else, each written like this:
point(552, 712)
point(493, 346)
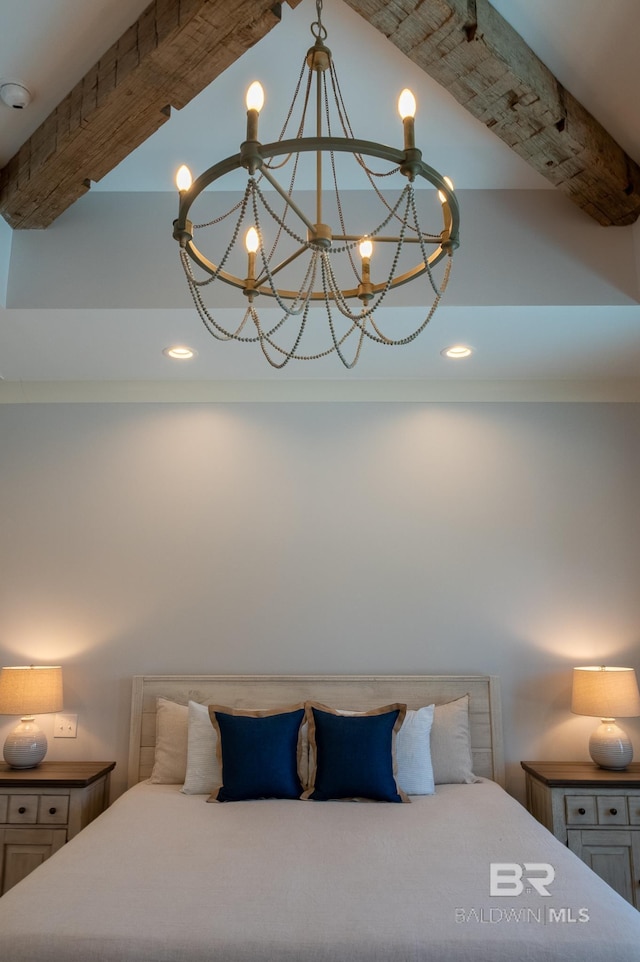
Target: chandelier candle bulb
point(255, 103)
point(366, 250)
point(365, 289)
point(251, 242)
point(407, 111)
point(183, 178)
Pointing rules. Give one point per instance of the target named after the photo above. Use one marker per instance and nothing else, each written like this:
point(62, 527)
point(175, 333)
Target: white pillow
point(413, 752)
point(450, 743)
point(170, 760)
point(204, 771)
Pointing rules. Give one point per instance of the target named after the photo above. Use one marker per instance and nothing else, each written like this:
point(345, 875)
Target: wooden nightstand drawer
point(580, 809)
point(53, 810)
point(4, 808)
point(634, 810)
point(612, 810)
point(23, 809)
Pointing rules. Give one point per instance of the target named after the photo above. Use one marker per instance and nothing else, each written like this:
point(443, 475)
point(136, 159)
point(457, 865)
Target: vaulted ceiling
point(547, 296)
point(176, 48)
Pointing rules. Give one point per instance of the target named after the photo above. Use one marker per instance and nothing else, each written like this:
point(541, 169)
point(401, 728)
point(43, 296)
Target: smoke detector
point(15, 95)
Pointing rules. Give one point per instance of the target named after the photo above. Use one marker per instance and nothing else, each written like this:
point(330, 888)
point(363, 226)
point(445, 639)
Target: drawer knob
point(21, 810)
point(613, 811)
point(582, 811)
point(52, 811)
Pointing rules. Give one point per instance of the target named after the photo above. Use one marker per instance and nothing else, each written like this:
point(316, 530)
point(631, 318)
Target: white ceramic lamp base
point(610, 747)
point(26, 745)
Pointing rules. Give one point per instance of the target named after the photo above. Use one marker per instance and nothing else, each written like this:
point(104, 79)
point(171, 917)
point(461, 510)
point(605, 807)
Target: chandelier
point(306, 253)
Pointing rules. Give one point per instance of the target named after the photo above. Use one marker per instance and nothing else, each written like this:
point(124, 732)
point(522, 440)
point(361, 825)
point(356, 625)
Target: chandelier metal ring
point(446, 243)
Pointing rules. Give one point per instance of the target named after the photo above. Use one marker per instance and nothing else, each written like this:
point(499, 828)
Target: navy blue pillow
point(259, 753)
point(354, 754)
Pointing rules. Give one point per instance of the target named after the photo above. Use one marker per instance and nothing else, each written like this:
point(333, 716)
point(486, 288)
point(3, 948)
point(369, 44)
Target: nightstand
point(42, 808)
point(596, 813)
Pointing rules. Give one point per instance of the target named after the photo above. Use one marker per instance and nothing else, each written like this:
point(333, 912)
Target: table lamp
point(28, 690)
point(607, 693)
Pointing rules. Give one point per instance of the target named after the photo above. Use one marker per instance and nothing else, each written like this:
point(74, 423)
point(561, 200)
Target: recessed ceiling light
point(179, 352)
point(457, 351)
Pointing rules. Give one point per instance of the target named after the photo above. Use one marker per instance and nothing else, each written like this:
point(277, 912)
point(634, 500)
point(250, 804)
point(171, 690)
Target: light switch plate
point(65, 726)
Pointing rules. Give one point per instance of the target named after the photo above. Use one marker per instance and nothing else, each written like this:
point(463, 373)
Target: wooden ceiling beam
point(468, 48)
point(171, 53)
point(177, 47)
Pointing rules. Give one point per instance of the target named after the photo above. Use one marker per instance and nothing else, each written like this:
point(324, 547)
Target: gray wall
point(288, 538)
point(519, 247)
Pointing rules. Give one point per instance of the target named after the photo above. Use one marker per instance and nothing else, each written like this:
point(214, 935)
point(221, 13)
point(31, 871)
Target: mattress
point(164, 877)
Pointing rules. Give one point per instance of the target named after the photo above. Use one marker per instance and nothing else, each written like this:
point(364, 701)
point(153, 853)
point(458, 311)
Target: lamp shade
point(605, 692)
point(30, 690)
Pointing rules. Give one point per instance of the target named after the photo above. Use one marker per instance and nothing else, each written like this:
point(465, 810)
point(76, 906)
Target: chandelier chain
point(288, 354)
point(292, 310)
point(273, 214)
point(348, 131)
point(288, 157)
point(243, 206)
point(210, 323)
point(434, 286)
point(282, 163)
point(368, 312)
point(213, 327)
point(318, 29)
point(218, 220)
point(346, 124)
point(335, 178)
point(349, 245)
point(336, 343)
point(291, 354)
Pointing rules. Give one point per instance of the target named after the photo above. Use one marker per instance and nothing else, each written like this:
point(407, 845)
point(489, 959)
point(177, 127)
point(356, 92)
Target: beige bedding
point(164, 877)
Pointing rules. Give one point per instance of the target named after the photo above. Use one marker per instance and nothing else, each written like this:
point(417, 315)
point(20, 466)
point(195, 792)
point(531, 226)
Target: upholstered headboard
point(357, 692)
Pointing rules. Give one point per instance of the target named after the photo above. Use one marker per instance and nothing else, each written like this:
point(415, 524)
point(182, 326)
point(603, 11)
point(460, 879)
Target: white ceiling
point(49, 44)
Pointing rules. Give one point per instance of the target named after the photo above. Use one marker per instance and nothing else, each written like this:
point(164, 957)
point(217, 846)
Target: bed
point(164, 876)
